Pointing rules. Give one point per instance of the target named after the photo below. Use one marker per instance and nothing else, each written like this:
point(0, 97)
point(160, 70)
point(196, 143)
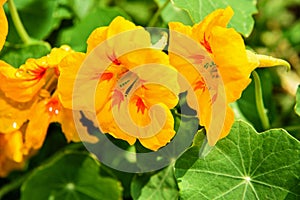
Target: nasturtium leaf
point(141, 12)
point(171, 13)
point(297, 106)
point(80, 8)
point(242, 20)
point(244, 165)
point(77, 35)
point(70, 176)
point(39, 18)
point(161, 185)
point(16, 55)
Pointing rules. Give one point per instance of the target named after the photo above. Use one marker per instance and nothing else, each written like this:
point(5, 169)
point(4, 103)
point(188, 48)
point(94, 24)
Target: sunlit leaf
point(70, 176)
point(161, 185)
point(242, 20)
point(244, 165)
point(171, 13)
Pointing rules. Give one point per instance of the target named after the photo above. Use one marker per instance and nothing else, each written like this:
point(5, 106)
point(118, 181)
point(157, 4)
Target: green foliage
point(39, 17)
point(171, 13)
point(80, 32)
point(70, 176)
point(161, 185)
point(242, 20)
point(297, 106)
point(16, 55)
point(244, 165)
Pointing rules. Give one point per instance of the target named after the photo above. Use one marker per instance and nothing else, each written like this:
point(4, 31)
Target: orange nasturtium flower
point(228, 54)
point(121, 86)
point(3, 24)
point(29, 103)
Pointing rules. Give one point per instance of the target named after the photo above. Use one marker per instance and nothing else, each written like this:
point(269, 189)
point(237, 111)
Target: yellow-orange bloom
point(120, 86)
point(229, 60)
point(3, 24)
point(29, 102)
point(11, 156)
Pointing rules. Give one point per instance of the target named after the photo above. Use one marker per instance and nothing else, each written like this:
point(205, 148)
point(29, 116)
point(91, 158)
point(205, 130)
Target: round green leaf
point(70, 176)
point(244, 165)
point(242, 20)
point(161, 185)
point(171, 13)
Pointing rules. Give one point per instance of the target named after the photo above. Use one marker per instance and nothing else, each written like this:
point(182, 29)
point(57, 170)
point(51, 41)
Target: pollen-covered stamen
point(53, 106)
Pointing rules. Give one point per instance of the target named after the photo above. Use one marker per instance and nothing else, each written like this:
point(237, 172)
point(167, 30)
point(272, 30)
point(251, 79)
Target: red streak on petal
point(106, 76)
point(140, 105)
point(206, 45)
point(200, 85)
point(116, 62)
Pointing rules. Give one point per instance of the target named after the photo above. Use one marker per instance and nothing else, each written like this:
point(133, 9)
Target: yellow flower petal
point(11, 156)
point(120, 37)
point(153, 93)
point(13, 146)
point(39, 117)
point(13, 114)
point(230, 56)
point(107, 124)
point(19, 84)
point(24, 83)
point(96, 38)
point(3, 24)
point(219, 18)
point(164, 136)
point(68, 68)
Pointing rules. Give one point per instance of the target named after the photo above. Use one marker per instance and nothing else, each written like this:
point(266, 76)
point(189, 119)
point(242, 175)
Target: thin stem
point(18, 23)
point(262, 112)
point(154, 19)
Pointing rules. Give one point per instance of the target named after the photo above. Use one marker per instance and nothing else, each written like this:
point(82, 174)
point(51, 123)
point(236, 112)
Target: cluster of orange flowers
point(40, 91)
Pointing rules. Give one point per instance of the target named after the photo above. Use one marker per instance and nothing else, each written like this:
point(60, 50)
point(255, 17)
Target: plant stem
point(18, 23)
point(259, 102)
point(154, 19)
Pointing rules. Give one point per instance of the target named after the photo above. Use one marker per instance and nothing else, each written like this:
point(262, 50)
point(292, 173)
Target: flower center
point(129, 82)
